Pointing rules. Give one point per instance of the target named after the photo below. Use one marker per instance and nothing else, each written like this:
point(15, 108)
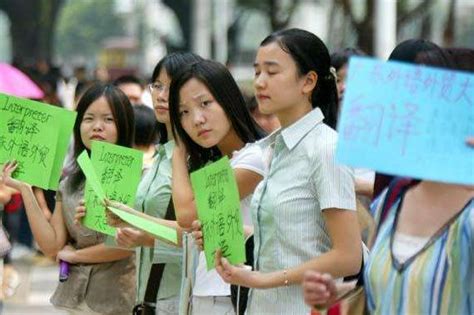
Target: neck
point(449, 195)
point(293, 113)
point(230, 143)
point(169, 131)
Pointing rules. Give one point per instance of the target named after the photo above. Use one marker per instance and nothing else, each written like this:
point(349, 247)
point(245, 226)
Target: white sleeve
point(249, 158)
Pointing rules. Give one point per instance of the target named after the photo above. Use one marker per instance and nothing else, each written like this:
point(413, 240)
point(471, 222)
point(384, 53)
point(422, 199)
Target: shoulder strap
point(395, 189)
point(156, 273)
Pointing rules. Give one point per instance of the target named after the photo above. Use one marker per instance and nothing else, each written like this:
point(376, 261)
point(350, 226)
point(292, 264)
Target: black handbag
point(148, 306)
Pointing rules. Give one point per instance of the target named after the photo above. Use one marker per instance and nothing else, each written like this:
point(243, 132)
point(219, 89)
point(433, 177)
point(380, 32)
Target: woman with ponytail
point(304, 209)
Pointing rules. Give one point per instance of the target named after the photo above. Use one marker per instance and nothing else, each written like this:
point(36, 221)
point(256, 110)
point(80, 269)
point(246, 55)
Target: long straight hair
point(224, 89)
point(172, 64)
point(124, 121)
point(311, 54)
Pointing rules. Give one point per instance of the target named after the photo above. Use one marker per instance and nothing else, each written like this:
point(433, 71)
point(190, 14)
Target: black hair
point(341, 57)
point(408, 50)
point(311, 54)
point(224, 89)
point(463, 58)
point(146, 126)
point(126, 79)
point(172, 64)
point(124, 121)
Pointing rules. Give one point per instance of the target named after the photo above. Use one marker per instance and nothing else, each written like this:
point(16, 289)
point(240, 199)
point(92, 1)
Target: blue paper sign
point(408, 120)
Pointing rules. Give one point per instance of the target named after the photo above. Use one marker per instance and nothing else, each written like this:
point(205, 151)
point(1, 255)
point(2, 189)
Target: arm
point(183, 196)
point(129, 236)
point(39, 194)
point(182, 193)
point(93, 255)
point(343, 259)
point(364, 187)
point(321, 291)
point(50, 235)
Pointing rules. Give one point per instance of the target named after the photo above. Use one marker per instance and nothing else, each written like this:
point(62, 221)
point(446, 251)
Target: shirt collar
point(299, 129)
point(167, 148)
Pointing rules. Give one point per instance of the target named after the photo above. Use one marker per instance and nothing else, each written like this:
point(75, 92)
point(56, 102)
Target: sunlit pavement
point(38, 279)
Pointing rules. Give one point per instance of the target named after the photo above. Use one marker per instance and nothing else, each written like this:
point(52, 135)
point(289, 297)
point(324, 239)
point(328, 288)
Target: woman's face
point(160, 90)
point(341, 82)
point(278, 85)
point(201, 116)
point(98, 123)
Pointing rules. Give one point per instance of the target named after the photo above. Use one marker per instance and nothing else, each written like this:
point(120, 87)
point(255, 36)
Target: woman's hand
point(113, 219)
point(8, 168)
point(68, 254)
point(129, 237)
point(239, 275)
point(470, 141)
point(319, 290)
point(80, 212)
point(197, 234)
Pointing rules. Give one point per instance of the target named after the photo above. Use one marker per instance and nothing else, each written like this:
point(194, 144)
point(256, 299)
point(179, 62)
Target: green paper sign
point(218, 205)
point(118, 172)
point(37, 136)
point(154, 228)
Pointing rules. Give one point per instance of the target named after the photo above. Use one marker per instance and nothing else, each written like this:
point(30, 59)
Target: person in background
point(268, 122)
point(146, 134)
point(340, 62)
point(131, 86)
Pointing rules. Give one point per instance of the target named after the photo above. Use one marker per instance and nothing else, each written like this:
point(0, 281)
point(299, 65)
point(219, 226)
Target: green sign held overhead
point(36, 135)
point(218, 205)
point(117, 173)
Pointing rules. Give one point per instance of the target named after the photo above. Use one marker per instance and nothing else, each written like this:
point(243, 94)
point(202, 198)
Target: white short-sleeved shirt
point(209, 283)
point(303, 180)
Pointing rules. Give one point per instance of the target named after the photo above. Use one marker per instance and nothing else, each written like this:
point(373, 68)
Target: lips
point(161, 108)
point(203, 133)
point(97, 137)
point(262, 97)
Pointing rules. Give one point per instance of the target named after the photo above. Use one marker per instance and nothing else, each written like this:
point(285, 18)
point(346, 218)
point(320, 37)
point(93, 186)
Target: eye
point(88, 118)
point(183, 113)
point(206, 103)
point(257, 73)
point(109, 119)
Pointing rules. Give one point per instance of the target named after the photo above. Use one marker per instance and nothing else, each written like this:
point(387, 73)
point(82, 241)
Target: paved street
point(39, 278)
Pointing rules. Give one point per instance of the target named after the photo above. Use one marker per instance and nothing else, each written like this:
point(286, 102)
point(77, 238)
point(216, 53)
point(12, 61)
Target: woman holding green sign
point(209, 116)
point(304, 210)
point(101, 279)
point(158, 264)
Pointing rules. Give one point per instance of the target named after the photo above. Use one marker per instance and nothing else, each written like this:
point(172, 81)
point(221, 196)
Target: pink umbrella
point(15, 82)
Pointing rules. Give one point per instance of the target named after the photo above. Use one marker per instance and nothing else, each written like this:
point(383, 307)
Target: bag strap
point(156, 273)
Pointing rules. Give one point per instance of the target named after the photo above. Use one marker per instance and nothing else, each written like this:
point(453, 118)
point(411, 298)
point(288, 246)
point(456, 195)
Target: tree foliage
point(32, 24)
point(83, 25)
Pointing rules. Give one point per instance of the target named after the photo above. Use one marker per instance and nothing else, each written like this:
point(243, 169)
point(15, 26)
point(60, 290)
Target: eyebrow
point(267, 63)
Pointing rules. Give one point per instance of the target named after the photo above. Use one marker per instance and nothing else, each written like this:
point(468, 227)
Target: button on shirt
point(303, 179)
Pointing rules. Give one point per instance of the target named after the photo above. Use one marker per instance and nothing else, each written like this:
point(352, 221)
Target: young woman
point(101, 279)
point(303, 211)
point(209, 116)
point(422, 261)
point(153, 198)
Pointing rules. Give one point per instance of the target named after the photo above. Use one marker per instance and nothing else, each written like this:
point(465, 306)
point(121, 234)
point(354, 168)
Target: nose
point(259, 82)
point(98, 125)
point(198, 118)
point(163, 94)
